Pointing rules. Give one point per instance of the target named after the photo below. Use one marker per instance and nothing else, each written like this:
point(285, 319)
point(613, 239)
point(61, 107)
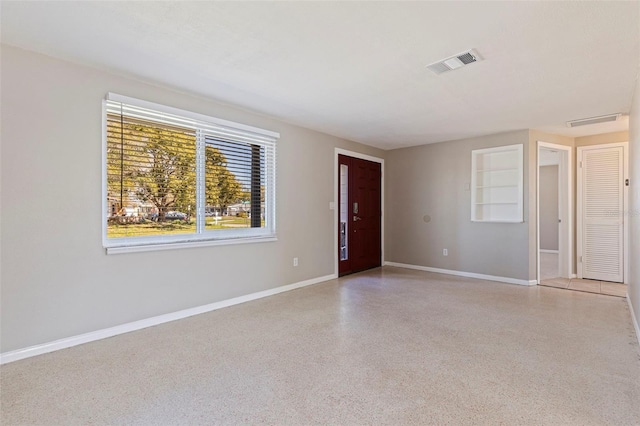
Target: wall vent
point(455, 62)
point(594, 120)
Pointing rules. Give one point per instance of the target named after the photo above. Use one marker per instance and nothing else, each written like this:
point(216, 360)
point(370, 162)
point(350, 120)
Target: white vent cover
point(594, 120)
point(455, 62)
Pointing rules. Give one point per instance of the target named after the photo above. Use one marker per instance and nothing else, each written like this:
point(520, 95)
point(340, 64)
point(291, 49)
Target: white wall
point(57, 280)
point(634, 203)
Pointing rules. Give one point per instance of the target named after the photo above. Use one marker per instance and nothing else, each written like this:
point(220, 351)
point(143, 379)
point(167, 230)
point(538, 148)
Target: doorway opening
point(555, 228)
point(358, 212)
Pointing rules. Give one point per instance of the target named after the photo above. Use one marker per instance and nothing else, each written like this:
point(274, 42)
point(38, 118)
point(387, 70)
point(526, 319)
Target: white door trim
point(625, 205)
point(336, 184)
point(565, 173)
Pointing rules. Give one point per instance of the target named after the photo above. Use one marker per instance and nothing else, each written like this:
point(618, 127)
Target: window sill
point(188, 244)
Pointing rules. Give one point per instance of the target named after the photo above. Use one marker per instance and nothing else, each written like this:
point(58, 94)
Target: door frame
point(335, 207)
point(565, 186)
point(625, 205)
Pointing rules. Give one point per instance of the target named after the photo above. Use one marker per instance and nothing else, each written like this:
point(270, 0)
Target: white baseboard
point(573, 276)
point(464, 274)
point(149, 322)
point(634, 320)
point(549, 251)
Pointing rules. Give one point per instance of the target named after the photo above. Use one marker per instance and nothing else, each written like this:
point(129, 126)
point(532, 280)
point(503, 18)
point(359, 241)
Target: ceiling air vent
point(455, 62)
point(594, 120)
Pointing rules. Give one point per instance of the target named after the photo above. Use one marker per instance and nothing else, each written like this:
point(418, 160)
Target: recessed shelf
point(497, 182)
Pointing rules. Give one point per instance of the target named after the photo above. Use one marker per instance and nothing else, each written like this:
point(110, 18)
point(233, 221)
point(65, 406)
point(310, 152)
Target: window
point(175, 177)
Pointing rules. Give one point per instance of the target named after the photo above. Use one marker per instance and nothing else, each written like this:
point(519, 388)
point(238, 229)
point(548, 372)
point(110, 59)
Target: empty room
point(305, 213)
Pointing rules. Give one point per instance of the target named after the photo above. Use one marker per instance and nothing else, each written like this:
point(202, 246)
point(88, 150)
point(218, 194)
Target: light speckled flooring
point(388, 346)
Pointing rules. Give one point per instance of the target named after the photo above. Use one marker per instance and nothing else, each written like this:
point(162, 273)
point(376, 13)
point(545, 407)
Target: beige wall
point(57, 280)
point(537, 135)
point(434, 180)
point(603, 138)
point(634, 207)
point(549, 207)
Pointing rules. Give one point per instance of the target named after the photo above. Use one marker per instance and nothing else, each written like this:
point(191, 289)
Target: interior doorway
point(601, 197)
point(359, 213)
point(554, 200)
point(549, 220)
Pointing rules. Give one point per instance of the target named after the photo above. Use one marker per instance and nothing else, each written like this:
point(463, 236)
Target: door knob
point(356, 218)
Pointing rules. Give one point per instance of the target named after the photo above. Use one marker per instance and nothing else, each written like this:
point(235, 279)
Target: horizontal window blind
point(174, 175)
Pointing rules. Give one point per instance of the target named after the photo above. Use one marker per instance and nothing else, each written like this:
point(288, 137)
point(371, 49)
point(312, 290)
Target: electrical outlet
point(445, 252)
point(295, 261)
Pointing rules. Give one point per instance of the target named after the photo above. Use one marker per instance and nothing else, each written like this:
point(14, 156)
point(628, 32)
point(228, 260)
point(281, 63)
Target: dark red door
point(360, 215)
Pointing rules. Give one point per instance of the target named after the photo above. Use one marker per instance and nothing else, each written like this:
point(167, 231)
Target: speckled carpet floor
point(388, 346)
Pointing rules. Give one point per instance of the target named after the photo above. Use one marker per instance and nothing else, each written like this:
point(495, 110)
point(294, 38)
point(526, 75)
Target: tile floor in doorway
point(549, 275)
point(549, 266)
point(590, 286)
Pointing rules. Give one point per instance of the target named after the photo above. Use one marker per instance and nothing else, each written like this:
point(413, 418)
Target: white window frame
point(205, 126)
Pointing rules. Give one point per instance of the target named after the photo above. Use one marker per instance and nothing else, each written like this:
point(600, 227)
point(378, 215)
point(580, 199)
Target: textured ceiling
point(357, 69)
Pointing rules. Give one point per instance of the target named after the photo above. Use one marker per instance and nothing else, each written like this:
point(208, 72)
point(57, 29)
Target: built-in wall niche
point(497, 184)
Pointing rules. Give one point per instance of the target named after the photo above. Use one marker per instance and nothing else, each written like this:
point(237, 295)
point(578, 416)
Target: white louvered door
point(602, 213)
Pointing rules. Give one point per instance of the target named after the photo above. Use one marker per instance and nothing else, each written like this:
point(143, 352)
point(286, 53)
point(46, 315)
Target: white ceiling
point(357, 70)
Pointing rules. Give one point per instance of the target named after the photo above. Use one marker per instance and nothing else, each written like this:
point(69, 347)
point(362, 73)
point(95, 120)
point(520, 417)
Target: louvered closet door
point(602, 214)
